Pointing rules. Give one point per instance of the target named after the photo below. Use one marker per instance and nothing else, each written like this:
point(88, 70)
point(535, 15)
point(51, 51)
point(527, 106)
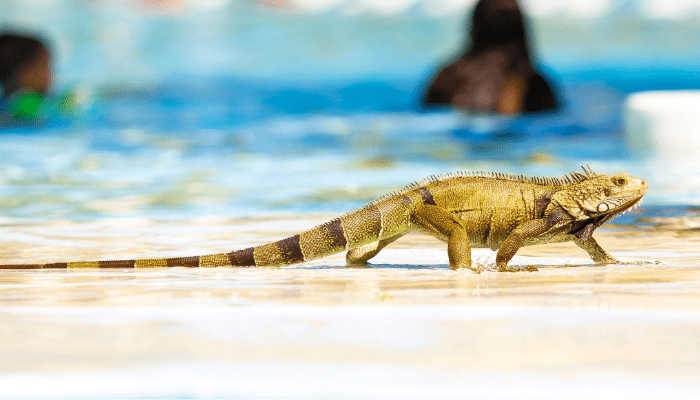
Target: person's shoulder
point(444, 83)
point(449, 70)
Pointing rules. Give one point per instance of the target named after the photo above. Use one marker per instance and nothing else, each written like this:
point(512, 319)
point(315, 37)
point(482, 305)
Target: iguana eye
point(620, 181)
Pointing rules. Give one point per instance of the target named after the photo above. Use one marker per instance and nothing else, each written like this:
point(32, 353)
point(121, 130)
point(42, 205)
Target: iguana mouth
point(583, 229)
point(631, 205)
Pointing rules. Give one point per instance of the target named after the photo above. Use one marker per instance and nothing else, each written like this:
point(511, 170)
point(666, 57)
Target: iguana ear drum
point(603, 207)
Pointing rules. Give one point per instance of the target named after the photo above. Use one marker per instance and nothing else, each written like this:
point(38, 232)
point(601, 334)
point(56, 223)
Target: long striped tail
point(320, 241)
point(376, 220)
point(317, 242)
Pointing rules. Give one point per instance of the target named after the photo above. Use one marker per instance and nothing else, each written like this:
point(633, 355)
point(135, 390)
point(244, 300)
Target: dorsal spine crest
point(571, 178)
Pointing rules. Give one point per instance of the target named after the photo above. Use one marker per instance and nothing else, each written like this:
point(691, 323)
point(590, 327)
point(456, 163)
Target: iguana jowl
point(499, 211)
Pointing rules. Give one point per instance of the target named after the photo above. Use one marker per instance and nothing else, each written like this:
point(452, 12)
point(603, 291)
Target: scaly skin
point(464, 210)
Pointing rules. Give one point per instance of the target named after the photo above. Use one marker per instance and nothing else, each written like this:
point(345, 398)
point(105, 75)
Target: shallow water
point(408, 327)
point(130, 184)
point(203, 163)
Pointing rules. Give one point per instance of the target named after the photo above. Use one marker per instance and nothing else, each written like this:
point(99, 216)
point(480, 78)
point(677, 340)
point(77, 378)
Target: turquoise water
point(228, 147)
point(213, 130)
point(237, 109)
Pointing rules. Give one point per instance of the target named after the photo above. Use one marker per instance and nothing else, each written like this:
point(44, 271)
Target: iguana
point(466, 209)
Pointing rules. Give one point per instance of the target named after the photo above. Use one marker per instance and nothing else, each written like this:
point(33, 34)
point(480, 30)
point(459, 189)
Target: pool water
point(204, 165)
point(226, 147)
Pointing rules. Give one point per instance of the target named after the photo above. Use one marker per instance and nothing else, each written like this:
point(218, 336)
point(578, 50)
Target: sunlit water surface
point(184, 169)
point(407, 327)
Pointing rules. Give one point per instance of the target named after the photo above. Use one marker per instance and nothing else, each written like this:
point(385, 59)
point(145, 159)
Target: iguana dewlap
point(465, 210)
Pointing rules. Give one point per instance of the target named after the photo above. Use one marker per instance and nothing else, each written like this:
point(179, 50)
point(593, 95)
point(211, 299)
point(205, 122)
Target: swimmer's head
point(25, 63)
point(496, 22)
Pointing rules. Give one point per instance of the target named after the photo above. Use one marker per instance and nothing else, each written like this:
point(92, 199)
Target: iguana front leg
point(597, 253)
point(435, 219)
point(515, 240)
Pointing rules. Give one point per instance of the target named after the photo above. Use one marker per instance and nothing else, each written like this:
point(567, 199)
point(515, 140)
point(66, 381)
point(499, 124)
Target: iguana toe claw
point(506, 268)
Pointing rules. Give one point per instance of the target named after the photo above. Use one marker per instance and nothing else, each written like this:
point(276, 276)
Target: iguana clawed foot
point(506, 268)
point(479, 268)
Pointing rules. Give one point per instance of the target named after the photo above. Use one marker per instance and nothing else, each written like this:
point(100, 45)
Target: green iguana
point(499, 211)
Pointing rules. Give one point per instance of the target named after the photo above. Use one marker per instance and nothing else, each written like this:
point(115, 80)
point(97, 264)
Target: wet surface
point(262, 126)
point(407, 327)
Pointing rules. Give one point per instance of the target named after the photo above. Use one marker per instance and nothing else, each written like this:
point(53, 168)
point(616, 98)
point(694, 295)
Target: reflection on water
point(204, 164)
point(151, 179)
point(223, 147)
point(317, 329)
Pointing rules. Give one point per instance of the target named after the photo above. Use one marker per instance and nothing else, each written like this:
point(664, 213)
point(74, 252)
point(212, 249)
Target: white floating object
point(664, 123)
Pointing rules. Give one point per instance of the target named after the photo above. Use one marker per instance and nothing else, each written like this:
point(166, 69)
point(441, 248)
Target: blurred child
point(25, 74)
point(25, 78)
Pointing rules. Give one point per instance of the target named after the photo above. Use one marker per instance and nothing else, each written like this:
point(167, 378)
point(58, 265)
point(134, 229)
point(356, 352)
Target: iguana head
point(595, 199)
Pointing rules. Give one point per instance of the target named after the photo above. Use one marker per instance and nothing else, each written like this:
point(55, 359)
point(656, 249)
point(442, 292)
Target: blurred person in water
point(25, 77)
point(495, 74)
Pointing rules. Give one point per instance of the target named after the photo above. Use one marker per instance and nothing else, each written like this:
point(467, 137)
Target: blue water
point(232, 147)
point(237, 109)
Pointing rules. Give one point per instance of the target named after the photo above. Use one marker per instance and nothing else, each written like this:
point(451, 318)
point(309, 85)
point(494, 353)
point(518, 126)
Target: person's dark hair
point(16, 51)
point(495, 23)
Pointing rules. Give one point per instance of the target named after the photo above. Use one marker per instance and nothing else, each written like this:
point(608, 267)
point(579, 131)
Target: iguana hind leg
point(359, 256)
point(443, 224)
